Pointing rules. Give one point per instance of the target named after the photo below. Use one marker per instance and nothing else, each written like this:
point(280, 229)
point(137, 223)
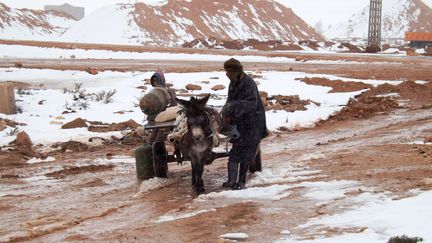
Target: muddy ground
point(362, 66)
point(94, 195)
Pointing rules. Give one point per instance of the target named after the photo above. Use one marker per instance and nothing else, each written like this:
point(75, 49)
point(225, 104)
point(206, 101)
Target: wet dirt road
point(90, 197)
point(365, 68)
point(350, 65)
point(95, 196)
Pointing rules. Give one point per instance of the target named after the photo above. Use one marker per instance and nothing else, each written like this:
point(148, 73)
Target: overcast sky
point(312, 11)
point(90, 5)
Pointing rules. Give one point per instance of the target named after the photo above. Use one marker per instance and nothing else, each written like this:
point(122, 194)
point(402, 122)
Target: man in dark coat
point(244, 112)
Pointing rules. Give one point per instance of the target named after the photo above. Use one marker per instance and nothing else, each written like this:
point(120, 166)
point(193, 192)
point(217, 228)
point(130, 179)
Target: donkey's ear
point(183, 102)
point(204, 100)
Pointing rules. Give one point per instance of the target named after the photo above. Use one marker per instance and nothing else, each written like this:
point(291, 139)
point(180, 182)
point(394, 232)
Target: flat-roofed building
point(419, 39)
point(76, 12)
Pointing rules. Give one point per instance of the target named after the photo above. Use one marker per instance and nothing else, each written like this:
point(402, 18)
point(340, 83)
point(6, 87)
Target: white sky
point(90, 5)
point(328, 11)
point(312, 11)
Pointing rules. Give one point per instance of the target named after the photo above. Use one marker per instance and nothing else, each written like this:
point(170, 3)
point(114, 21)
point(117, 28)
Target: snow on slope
point(399, 16)
point(110, 24)
point(29, 24)
point(330, 13)
point(176, 22)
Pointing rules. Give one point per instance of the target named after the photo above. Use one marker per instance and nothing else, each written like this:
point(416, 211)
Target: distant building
point(419, 39)
point(76, 12)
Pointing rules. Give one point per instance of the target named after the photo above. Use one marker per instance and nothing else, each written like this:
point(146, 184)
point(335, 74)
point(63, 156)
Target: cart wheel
point(160, 164)
point(256, 165)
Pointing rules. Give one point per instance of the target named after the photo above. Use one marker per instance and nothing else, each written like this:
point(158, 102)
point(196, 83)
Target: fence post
point(7, 98)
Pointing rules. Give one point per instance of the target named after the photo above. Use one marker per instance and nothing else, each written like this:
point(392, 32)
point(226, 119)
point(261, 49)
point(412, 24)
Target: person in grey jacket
point(160, 134)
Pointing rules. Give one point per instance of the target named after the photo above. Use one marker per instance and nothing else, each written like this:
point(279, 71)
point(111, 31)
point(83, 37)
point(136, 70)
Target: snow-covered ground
point(365, 217)
point(42, 108)
point(19, 51)
point(379, 218)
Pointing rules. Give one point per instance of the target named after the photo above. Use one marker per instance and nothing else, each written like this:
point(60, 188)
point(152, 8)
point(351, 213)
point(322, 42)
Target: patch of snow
point(167, 218)
point(110, 23)
point(420, 51)
point(389, 95)
point(328, 190)
point(38, 116)
point(391, 51)
point(36, 160)
point(115, 160)
point(311, 156)
point(154, 184)
point(156, 3)
point(234, 236)
point(382, 217)
point(274, 192)
point(282, 175)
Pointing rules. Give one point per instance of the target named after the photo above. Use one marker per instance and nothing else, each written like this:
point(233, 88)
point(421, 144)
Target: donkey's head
point(198, 120)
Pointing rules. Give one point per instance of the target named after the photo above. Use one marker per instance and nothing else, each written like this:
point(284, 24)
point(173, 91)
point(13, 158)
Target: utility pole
point(374, 34)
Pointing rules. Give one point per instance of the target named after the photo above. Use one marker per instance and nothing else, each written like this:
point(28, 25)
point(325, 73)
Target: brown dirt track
point(366, 66)
point(106, 203)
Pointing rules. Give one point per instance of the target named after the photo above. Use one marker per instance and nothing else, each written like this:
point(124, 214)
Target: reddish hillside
point(32, 24)
point(177, 22)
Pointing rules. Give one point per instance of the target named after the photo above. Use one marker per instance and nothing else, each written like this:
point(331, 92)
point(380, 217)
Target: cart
point(156, 164)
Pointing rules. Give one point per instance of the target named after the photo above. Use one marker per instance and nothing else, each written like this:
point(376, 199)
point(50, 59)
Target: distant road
point(363, 66)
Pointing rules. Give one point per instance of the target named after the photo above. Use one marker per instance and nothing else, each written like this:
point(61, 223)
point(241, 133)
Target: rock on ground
point(23, 139)
point(193, 87)
point(2, 125)
point(218, 87)
point(79, 122)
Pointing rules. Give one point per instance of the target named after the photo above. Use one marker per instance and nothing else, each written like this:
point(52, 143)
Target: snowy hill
point(176, 22)
point(399, 16)
point(32, 24)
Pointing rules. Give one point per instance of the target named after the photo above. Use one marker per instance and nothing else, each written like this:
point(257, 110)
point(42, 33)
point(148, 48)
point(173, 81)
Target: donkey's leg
point(193, 174)
point(198, 171)
point(200, 182)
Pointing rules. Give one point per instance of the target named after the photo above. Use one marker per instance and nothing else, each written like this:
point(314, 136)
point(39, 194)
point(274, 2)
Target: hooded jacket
point(160, 77)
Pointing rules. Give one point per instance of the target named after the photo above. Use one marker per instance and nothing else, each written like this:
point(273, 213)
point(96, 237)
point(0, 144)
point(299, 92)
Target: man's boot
point(241, 184)
point(232, 176)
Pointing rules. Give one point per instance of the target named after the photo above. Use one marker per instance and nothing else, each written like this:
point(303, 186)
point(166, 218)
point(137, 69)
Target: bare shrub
point(137, 101)
point(81, 105)
point(12, 132)
point(21, 91)
point(19, 109)
point(105, 96)
point(82, 94)
point(67, 106)
point(404, 239)
point(81, 97)
point(109, 96)
point(100, 96)
point(77, 88)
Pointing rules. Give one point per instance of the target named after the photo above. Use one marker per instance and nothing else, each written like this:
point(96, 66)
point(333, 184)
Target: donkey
point(197, 143)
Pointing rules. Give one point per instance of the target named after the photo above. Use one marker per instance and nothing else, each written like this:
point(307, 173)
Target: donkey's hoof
point(200, 190)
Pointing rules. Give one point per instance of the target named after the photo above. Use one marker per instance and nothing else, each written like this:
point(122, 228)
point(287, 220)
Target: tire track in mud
point(111, 205)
